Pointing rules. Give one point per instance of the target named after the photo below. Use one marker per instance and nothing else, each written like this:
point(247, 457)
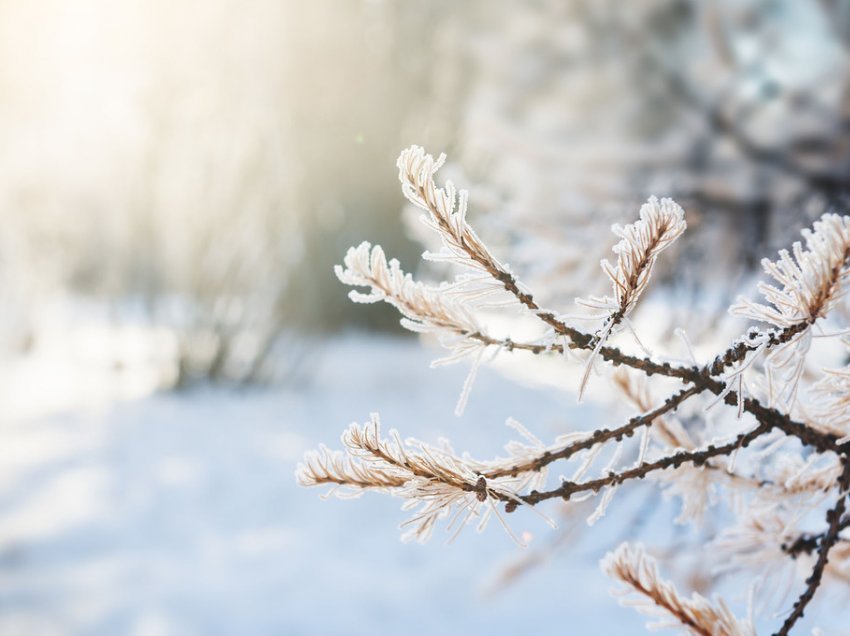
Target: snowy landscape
point(399, 316)
point(124, 512)
point(179, 513)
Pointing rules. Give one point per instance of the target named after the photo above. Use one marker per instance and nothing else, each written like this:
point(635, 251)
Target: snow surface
point(179, 514)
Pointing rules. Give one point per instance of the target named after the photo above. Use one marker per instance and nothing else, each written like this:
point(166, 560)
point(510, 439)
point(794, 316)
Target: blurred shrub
point(201, 166)
point(210, 162)
point(579, 110)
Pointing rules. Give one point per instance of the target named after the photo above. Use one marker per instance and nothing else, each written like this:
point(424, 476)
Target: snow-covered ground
point(179, 514)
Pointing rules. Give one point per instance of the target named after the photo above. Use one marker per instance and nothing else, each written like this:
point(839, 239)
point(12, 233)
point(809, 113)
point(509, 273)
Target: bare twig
point(834, 519)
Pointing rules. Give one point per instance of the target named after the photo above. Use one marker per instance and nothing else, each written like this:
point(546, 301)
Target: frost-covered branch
point(660, 223)
point(778, 458)
point(812, 283)
point(639, 572)
point(423, 308)
point(613, 479)
point(434, 481)
point(599, 436)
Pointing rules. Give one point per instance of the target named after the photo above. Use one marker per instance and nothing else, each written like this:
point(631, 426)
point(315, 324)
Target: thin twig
point(599, 436)
point(698, 457)
point(833, 517)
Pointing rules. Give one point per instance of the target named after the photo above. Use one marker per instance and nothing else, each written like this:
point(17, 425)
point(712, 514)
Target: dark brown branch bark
point(702, 378)
point(599, 436)
point(833, 518)
point(808, 543)
point(698, 458)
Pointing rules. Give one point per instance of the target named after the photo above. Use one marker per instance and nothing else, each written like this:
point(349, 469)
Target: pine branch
point(699, 616)
point(416, 170)
point(441, 484)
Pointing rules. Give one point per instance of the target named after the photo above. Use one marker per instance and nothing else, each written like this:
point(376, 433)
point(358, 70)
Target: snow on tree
point(761, 427)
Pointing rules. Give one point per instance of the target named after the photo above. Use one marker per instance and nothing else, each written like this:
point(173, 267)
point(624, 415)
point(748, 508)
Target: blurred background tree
point(201, 167)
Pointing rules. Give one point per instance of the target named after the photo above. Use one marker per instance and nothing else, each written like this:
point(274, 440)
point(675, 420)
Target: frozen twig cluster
point(434, 480)
point(777, 459)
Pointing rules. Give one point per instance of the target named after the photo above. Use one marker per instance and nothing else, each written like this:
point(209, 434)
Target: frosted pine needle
point(434, 481)
point(699, 616)
point(661, 222)
point(831, 401)
point(445, 208)
point(423, 308)
point(811, 281)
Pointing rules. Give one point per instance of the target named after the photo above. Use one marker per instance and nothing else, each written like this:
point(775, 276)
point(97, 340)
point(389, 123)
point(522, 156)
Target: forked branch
point(809, 282)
